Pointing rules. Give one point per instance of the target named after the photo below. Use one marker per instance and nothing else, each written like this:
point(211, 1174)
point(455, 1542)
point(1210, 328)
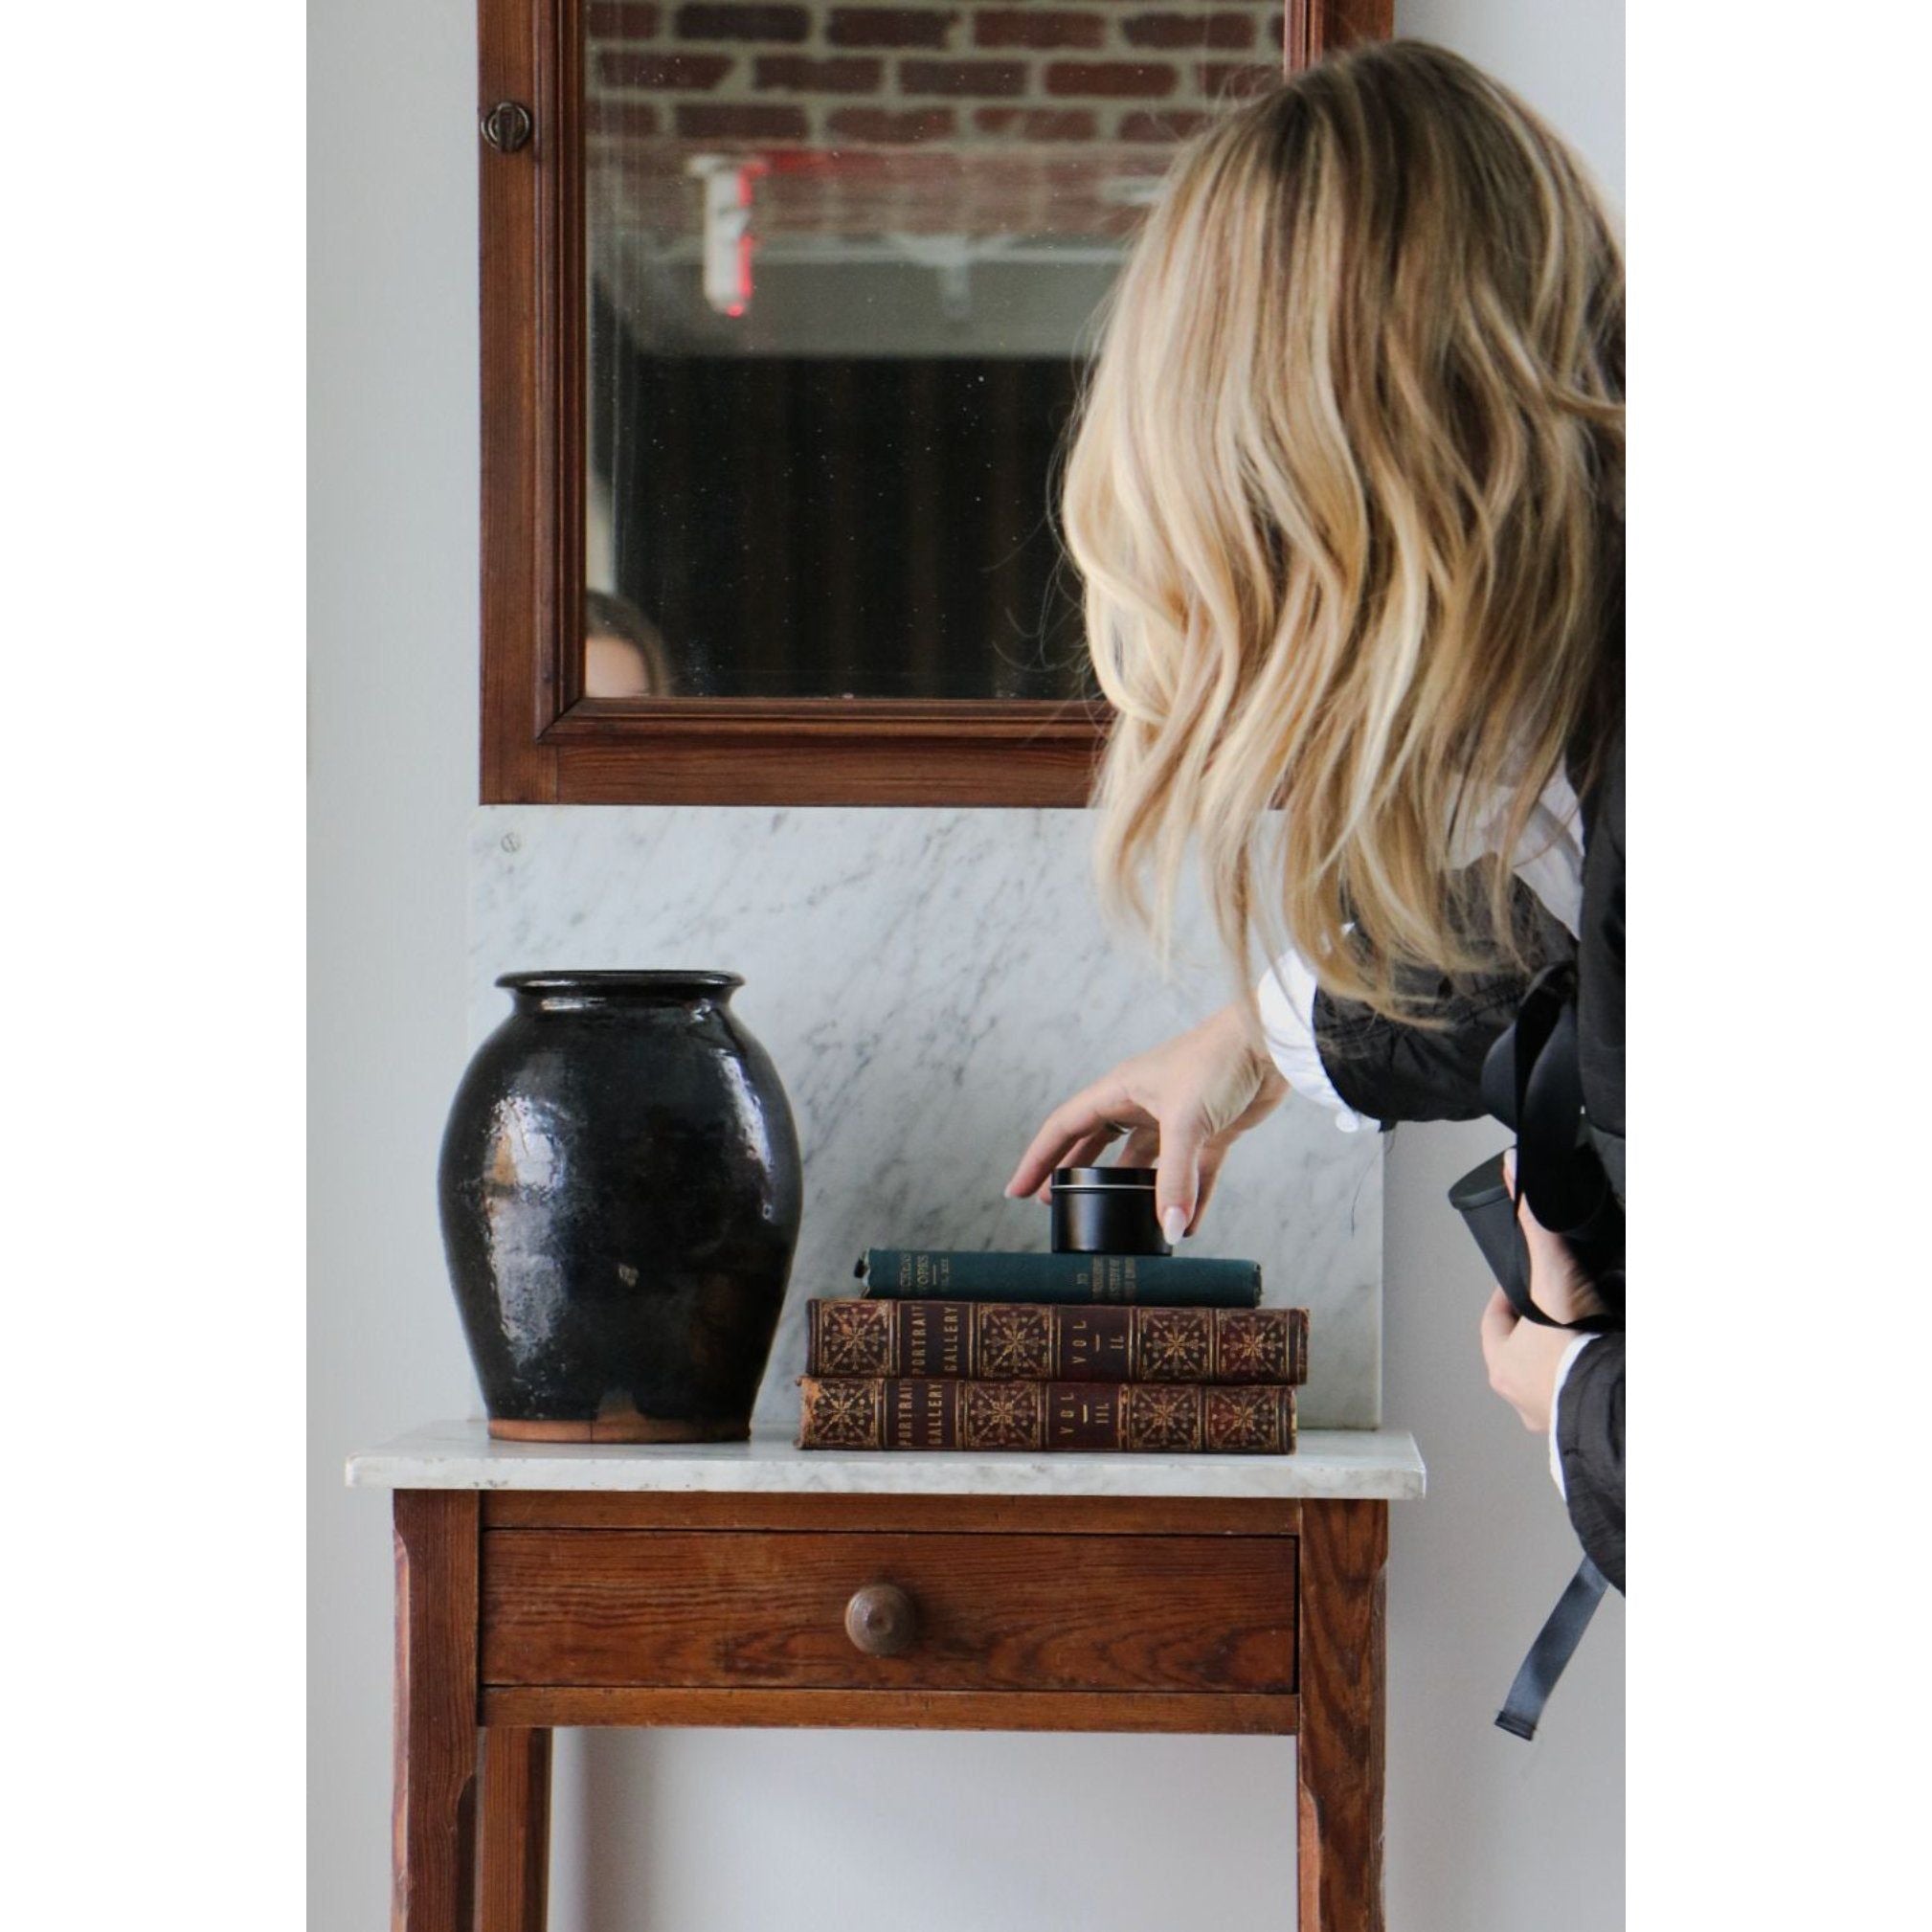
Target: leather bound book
point(1040, 1342)
point(927, 1412)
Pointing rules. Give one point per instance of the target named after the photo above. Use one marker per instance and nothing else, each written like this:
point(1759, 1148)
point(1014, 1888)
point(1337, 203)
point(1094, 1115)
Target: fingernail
point(1174, 1224)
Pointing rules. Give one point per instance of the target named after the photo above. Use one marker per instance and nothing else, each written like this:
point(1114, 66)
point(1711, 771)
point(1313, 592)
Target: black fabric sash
point(1555, 1645)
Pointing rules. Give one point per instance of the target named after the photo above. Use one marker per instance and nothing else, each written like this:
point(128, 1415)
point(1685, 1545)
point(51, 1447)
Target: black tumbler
point(1483, 1199)
point(1105, 1210)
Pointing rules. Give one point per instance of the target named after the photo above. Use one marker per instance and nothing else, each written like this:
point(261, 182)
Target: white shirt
point(1550, 862)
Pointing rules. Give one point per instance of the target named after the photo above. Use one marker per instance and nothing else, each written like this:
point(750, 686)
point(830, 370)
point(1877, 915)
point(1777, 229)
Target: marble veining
point(930, 983)
point(1367, 1463)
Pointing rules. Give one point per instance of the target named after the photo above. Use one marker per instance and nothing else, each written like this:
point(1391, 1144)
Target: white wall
point(392, 614)
point(706, 1833)
point(1565, 57)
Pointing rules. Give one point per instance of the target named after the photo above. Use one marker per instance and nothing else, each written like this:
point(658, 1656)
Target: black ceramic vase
point(619, 1184)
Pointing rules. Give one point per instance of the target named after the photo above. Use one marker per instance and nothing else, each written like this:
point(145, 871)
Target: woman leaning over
point(1347, 501)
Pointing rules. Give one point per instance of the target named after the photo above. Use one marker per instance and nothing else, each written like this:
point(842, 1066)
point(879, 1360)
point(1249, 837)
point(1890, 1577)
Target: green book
point(1159, 1280)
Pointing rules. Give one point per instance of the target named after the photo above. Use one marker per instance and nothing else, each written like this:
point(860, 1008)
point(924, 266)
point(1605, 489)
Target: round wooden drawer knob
point(882, 1620)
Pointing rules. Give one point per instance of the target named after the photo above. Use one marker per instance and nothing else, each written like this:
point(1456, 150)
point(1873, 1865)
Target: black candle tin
point(1105, 1210)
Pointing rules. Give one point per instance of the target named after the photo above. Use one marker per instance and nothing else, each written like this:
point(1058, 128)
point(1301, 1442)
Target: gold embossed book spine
point(1030, 1341)
point(927, 1412)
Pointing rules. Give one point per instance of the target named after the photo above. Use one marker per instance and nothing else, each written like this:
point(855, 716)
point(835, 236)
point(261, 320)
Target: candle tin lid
point(1112, 1180)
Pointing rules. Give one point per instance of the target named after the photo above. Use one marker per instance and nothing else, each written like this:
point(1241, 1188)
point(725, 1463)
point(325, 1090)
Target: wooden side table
point(542, 1584)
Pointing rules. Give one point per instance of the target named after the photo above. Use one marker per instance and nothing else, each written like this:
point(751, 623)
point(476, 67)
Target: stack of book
point(987, 1350)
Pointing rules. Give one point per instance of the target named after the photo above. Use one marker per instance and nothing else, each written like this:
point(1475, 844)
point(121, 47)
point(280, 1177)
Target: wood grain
point(725, 1609)
point(1313, 28)
point(1013, 719)
point(434, 1816)
point(513, 1882)
point(783, 764)
point(1063, 1515)
point(1218, 1714)
point(1123, 1618)
point(519, 693)
point(1340, 1756)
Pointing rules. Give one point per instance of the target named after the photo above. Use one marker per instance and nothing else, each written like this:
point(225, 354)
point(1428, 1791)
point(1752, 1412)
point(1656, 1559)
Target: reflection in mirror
point(844, 263)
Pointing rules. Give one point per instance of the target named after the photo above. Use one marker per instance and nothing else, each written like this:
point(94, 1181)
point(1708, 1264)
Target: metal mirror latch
point(507, 127)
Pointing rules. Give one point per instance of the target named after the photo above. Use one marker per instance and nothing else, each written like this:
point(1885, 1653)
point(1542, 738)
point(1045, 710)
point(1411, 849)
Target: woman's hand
point(1182, 1105)
point(1523, 1356)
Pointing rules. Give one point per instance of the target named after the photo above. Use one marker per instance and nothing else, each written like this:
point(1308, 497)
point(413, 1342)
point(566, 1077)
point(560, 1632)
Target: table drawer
point(768, 1609)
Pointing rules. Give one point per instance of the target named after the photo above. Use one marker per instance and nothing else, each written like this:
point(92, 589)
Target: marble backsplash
point(930, 983)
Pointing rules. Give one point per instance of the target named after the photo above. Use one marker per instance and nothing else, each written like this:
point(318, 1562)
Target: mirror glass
point(844, 263)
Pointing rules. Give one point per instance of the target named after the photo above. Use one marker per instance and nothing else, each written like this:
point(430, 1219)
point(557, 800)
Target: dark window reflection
point(785, 526)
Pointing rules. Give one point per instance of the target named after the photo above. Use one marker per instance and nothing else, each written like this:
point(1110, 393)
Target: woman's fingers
point(1085, 1152)
point(1163, 1104)
point(1176, 1176)
point(1090, 1117)
point(1500, 1323)
point(1559, 1284)
point(1210, 1174)
point(1561, 1287)
point(1076, 1134)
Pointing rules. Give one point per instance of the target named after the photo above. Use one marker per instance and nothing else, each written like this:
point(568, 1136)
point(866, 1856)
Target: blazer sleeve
point(1387, 1071)
point(1590, 1445)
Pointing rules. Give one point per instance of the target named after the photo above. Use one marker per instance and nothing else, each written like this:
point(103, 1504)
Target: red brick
point(1116, 79)
point(1023, 26)
point(762, 121)
point(1037, 123)
point(799, 73)
point(888, 27)
point(663, 70)
point(885, 124)
point(963, 79)
point(1189, 30)
point(620, 117)
point(785, 24)
point(1180, 124)
point(1072, 175)
point(622, 20)
point(1225, 79)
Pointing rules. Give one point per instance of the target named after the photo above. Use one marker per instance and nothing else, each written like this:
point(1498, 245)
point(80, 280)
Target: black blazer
point(1389, 1072)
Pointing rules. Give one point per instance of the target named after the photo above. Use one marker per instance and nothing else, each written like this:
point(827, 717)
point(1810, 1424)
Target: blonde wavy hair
point(1346, 499)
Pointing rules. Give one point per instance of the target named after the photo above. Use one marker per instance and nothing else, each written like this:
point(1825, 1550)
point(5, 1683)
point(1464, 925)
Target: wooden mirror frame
point(543, 741)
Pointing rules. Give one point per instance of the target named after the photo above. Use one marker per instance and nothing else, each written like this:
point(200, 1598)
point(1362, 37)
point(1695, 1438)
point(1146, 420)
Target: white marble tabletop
point(461, 1455)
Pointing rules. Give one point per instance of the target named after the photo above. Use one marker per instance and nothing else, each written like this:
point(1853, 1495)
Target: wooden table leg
point(516, 1830)
point(1343, 1686)
point(433, 1821)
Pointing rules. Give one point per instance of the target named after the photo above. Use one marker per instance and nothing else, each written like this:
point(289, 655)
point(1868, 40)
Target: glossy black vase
point(619, 1185)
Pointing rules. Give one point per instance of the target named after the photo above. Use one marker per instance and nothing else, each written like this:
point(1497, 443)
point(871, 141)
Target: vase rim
point(658, 984)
